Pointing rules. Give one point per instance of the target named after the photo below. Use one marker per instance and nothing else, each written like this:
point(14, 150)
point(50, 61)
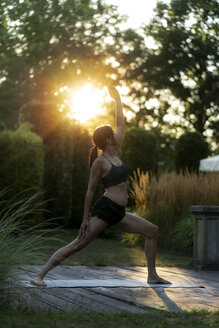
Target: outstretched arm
point(120, 122)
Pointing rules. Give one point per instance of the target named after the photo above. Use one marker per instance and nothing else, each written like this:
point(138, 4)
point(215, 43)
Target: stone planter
point(206, 237)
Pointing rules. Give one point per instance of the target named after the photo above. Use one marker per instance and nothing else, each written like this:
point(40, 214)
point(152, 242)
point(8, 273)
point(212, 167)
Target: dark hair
point(101, 133)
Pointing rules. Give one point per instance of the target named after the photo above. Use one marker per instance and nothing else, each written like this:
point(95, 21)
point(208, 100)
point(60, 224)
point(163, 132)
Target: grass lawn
point(110, 252)
point(157, 319)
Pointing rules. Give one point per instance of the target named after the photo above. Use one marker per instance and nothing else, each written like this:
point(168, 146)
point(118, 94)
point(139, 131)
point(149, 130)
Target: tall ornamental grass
point(165, 200)
point(20, 243)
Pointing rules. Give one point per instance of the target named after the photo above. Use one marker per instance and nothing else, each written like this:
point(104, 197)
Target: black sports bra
point(115, 176)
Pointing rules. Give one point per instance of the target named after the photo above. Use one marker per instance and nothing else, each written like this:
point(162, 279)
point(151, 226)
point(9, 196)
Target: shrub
point(190, 148)
point(139, 150)
point(22, 160)
point(182, 236)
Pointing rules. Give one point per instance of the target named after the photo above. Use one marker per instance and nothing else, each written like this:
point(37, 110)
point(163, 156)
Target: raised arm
point(120, 122)
point(95, 174)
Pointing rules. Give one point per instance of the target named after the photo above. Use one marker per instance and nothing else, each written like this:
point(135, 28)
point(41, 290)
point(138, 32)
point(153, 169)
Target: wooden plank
point(49, 300)
point(80, 273)
point(209, 275)
point(210, 297)
point(21, 274)
point(92, 273)
point(138, 296)
point(32, 302)
point(197, 293)
point(211, 286)
point(58, 272)
point(25, 297)
point(120, 271)
point(34, 269)
point(84, 272)
point(97, 301)
point(83, 299)
point(190, 301)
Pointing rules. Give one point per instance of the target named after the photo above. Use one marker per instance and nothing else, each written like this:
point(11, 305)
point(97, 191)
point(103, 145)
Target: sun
point(86, 102)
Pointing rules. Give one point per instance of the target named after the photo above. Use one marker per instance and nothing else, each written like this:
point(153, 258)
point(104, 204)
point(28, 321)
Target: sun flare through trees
point(86, 102)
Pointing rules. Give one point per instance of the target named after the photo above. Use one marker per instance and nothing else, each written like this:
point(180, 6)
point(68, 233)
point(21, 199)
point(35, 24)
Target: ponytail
point(101, 133)
point(93, 155)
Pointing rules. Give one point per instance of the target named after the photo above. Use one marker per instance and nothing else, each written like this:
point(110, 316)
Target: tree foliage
point(165, 150)
point(181, 67)
point(190, 148)
point(139, 150)
point(46, 45)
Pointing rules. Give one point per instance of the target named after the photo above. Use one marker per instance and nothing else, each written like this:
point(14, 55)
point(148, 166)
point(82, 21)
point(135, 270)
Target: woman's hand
point(113, 92)
point(85, 227)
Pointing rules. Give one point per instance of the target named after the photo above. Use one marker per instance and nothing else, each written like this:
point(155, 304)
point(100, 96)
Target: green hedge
point(22, 157)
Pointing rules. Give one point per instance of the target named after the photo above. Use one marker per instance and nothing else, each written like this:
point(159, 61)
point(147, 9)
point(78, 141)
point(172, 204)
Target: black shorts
point(108, 210)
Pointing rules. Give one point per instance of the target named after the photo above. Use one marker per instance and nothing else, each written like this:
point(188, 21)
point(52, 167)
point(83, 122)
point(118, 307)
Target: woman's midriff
point(118, 193)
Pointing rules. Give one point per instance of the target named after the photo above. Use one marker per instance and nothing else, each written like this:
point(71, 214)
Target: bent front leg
point(135, 224)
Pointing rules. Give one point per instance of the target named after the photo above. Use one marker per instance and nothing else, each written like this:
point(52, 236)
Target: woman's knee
point(153, 231)
point(77, 244)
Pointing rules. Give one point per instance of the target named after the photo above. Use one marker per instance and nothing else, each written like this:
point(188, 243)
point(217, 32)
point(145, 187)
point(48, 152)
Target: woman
point(109, 210)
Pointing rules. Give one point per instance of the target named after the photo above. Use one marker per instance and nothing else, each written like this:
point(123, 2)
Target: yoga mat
point(105, 283)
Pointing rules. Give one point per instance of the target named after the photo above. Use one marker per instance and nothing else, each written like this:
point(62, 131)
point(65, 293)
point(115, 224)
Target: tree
point(49, 44)
point(139, 150)
point(181, 68)
point(165, 150)
point(190, 148)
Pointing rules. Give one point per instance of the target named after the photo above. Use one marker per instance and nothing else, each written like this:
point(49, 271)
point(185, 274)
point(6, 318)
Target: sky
point(139, 11)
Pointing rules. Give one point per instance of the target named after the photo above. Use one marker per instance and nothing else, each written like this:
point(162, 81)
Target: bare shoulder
point(97, 164)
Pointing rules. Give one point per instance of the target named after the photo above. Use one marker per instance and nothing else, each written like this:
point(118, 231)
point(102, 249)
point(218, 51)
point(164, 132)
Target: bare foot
point(38, 281)
point(158, 280)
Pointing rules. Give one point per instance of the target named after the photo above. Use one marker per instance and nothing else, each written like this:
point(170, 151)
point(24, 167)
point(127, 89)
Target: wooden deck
point(118, 299)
